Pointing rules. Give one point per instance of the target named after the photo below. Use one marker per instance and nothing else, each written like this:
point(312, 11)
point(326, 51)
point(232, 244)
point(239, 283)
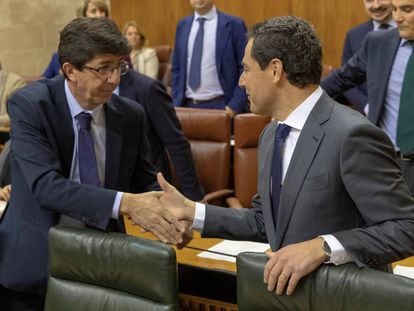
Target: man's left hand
point(289, 264)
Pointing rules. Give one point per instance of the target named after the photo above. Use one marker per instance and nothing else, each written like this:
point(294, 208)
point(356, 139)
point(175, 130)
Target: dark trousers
point(14, 301)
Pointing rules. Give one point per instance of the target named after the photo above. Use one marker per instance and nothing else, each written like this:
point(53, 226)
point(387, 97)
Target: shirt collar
point(377, 24)
point(209, 15)
point(298, 117)
point(75, 108)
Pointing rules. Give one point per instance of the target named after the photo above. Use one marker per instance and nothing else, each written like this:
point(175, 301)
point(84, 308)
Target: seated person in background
point(89, 8)
point(330, 189)
point(5, 193)
point(9, 83)
point(143, 58)
point(164, 131)
point(79, 156)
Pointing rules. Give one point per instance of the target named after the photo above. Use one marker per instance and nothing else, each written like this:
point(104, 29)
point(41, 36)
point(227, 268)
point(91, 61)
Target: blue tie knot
point(201, 20)
point(282, 131)
point(84, 120)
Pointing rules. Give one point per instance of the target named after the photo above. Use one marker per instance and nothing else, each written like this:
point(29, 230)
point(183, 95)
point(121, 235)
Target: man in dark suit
point(380, 12)
point(381, 62)
point(343, 198)
point(164, 131)
point(222, 49)
point(64, 171)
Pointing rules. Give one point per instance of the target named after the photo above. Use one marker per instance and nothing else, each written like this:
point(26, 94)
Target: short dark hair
point(86, 37)
point(294, 42)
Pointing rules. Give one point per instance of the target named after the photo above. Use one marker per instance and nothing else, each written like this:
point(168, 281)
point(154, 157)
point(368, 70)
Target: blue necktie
point(282, 132)
point(194, 77)
point(88, 169)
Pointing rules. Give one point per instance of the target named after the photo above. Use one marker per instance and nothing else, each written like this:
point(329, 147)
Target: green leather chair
point(329, 288)
point(94, 270)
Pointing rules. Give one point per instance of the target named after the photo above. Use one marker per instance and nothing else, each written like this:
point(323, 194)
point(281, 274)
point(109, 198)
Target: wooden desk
point(199, 277)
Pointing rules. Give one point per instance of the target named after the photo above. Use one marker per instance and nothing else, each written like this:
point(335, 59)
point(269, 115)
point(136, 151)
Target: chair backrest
point(95, 270)
point(329, 288)
point(164, 54)
point(208, 132)
point(247, 130)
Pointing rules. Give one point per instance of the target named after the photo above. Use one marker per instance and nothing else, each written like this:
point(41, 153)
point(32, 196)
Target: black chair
point(95, 270)
point(329, 288)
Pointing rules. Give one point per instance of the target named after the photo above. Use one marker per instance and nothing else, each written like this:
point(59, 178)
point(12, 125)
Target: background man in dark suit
point(222, 49)
point(380, 12)
point(51, 182)
point(164, 131)
point(382, 62)
point(343, 198)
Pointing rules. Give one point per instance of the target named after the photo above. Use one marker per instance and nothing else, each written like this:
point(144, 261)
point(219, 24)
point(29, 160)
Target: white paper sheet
point(228, 250)
point(404, 271)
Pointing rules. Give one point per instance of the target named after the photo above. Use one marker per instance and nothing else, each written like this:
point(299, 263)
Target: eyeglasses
point(105, 72)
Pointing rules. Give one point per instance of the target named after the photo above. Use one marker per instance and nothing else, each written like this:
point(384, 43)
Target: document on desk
point(404, 271)
point(228, 250)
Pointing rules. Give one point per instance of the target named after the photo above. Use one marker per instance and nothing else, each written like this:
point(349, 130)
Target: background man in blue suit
point(222, 50)
point(380, 12)
point(50, 183)
point(382, 62)
point(164, 131)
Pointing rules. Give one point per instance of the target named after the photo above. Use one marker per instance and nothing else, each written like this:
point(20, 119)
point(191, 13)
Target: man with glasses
point(79, 156)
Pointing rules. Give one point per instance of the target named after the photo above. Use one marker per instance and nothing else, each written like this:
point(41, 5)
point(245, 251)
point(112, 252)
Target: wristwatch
point(327, 250)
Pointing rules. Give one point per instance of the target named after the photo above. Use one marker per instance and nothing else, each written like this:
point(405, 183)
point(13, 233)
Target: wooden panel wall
point(331, 18)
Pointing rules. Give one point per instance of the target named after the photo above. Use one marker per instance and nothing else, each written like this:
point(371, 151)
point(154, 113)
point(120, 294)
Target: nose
point(242, 80)
point(114, 77)
point(397, 16)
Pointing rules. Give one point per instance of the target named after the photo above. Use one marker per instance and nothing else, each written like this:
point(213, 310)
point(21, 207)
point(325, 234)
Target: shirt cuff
point(199, 216)
point(339, 256)
point(117, 204)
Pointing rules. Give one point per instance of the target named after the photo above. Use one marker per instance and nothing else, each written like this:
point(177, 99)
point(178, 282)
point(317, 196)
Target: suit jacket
point(357, 96)
point(230, 44)
point(53, 68)
point(342, 179)
point(146, 62)
point(164, 131)
point(42, 142)
point(372, 63)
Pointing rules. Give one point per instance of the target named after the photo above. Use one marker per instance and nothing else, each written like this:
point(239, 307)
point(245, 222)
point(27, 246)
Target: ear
point(70, 71)
point(276, 66)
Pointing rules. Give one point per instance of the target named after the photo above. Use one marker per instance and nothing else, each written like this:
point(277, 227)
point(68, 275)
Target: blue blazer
point(357, 96)
point(372, 63)
point(42, 142)
point(231, 41)
point(164, 131)
point(53, 68)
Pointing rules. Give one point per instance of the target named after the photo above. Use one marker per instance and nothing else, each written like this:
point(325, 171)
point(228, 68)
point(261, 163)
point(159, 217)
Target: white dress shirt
point(210, 85)
point(98, 132)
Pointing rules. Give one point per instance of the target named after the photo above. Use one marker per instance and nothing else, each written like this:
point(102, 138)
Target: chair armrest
point(217, 195)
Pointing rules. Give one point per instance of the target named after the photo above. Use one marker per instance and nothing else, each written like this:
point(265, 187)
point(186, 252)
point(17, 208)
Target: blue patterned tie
point(88, 169)
point(194, 77)
point(282, 132)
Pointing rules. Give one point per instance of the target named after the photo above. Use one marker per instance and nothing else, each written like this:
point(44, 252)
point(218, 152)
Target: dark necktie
point(194, 77)
point(88, 169)
point(384, 26)
point(282, 132)
point(405, 127)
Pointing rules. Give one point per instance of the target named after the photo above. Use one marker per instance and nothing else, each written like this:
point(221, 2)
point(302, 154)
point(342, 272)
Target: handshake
point(167, 214)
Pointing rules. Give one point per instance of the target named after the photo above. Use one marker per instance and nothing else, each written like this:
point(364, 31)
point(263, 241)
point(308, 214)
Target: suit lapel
point(63, 123)
point(223, 33)
point(306, 149)
point(114, 132)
